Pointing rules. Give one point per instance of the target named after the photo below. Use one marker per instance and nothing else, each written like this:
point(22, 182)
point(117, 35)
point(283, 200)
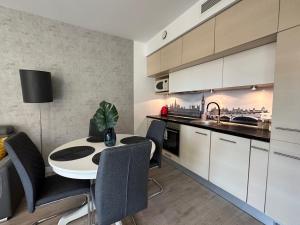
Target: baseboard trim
point(263, 218)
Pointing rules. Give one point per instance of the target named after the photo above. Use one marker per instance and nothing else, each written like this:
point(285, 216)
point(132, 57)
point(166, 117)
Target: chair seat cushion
point(57, 187)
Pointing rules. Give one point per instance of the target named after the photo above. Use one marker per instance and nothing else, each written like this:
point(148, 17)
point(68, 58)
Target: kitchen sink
point(206, 122)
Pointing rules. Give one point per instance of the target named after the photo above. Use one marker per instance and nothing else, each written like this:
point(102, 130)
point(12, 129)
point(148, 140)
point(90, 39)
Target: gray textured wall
point(86, 66)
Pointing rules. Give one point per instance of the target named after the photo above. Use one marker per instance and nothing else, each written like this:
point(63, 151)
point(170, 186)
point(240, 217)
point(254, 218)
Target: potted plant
point(105, 119)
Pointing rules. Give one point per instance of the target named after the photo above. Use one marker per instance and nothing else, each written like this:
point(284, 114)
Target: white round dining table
point(83, 168)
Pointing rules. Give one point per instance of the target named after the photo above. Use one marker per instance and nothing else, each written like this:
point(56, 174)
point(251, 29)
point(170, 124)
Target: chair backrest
point(156, 134)
point(29, 165)
point(93, 131)
point(121, 184)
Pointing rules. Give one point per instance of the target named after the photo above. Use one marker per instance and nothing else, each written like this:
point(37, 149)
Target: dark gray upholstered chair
point(121, 186)
point(11, 190)
point(93, 131)
point(156, 134)
point(40, 190)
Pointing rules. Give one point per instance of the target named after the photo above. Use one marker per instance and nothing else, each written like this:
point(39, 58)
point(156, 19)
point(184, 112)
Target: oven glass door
point(171, 141)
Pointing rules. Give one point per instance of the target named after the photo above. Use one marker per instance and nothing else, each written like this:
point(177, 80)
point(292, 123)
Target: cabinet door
point(286, 106)
point(201, 77)
point(283, 195)
point(194, 149)
point(199, 42)
point(258, 172)
point(229, 163)
point(171, 55)
point(244, 22)
point(252, 67)
point(289, 14)
point(153, 63)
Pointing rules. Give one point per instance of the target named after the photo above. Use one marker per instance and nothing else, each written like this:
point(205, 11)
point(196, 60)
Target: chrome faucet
point(219, 110)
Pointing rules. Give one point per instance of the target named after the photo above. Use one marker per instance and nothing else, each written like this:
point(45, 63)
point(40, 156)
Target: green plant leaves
point(106, 116)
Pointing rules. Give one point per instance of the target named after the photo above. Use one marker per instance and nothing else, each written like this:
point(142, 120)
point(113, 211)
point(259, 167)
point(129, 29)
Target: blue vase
point(110, 137)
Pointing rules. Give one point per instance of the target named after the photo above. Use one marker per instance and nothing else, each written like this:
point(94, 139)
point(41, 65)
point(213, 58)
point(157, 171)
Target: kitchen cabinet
point(246, 21)
point(229, 163)
point(258, 173)
point(251, 67)
point(286, 107)
point(283, 195)
point(153, 63)
point(171, 55)
point(195, 149)
point(199, 42)
point(289, 14)
point(201, 77)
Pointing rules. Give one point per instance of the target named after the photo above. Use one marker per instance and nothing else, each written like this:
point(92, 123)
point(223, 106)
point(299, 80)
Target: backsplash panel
point(244, 102)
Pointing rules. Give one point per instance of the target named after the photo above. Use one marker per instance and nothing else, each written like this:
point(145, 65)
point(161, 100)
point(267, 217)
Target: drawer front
point(229, 163)
point(283, 195)
point(285, 133)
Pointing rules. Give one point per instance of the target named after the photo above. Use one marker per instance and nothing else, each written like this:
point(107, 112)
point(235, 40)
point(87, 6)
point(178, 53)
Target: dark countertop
point(233, 129)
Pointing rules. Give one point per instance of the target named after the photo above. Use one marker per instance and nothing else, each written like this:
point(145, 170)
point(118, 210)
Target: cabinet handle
point(233, 142)
point(201, 133)
point(288, 129)
point(261, 149)
point(288, 156)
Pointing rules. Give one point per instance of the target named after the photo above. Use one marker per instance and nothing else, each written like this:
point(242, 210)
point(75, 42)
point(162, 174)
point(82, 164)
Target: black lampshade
point(36, 86)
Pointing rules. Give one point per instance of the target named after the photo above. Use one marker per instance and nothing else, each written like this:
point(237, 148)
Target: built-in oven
point(172, 138)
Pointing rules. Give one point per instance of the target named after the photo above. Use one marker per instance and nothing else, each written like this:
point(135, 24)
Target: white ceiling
point(138, 20)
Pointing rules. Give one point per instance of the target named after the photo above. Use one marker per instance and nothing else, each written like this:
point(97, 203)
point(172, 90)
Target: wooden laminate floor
point(184, 202)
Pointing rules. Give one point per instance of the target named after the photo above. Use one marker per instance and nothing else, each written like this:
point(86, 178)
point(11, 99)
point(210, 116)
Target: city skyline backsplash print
point(243, 102)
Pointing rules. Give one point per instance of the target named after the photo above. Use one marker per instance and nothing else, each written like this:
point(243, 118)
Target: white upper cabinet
point(286, 106)
point(229, 163)
point(195, 149)
point(258, 172)
point(283, 192)
point(201, 77)
point(251, 67)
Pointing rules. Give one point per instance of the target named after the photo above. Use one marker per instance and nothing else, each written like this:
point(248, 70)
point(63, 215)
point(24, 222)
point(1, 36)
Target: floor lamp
point(36, 88)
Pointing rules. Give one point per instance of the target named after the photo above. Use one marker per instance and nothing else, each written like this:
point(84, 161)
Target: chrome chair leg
point(89, 210)
point(86, 201)
point(93, 215)
point(161, 189)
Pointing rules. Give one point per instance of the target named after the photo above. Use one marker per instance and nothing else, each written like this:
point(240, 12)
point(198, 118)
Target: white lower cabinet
point(258, 173)
point(229, 163)
point(283, 188)
point(194, 149)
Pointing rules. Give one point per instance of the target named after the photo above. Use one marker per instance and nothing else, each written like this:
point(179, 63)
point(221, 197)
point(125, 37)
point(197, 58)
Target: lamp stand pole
point(41, 129)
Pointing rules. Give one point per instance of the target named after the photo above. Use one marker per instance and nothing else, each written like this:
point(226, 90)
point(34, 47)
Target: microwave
point(162, 85)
